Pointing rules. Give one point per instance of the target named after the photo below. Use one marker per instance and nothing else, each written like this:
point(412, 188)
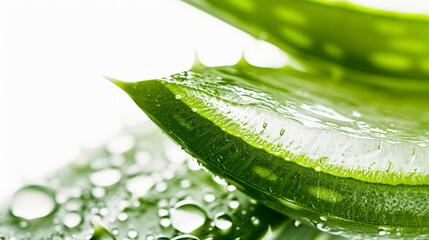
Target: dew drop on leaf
point(162, 238)
point(98, 192)
point(209, 198)
point(233, 204)
point(231, 188)
point(165, 222)
point(223, 221)
point(32, 202)
point(162, 212)
point(185, 183)
point(185, 237)
point(132, 234)
point(23, 224)
point(72, 219)
point(105, 178)
point(122, 217)
point(140, 185)
point(150, 237)
point(161, 187)
point(254, 220)
point(219, 180)
point(187, 216)
point(115, 231)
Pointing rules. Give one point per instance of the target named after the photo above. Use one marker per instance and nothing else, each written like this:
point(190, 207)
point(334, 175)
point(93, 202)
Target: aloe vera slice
point(322, 32)
point(308, 147)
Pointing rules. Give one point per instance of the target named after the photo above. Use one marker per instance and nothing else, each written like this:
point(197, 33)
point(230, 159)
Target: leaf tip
point(121, 84)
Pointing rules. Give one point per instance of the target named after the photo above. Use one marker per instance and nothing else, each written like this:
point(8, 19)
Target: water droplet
point(322, 227)
point(187, 216)
point(121, 144)
point(254, 220)
point(356, 114)
point(122, 217)
point(161, 187)
point(140, 185)
point(185, 237)
point(223, 221)
point(23, 224)
point(104, 211)
point(178, 96)
point(168, 174)
point(98, 192)
point(219, 180)
point(194, 109)
point(209, 197)
point(193, 165)
point(33, 202)
point(162, 203)
point(323, 218)
point(165, 222)
point(231, 188)
point(57, 229)
point(132, 233)
point(185, 183)
point(317, 169)
point(162, 238)
point(233, 204)
point(105, 178)
point(56, 221)
point(94, 211)
point(61, 198)
point(162, 212)
point(72, 219)
point(297, 223)
point(150, 237)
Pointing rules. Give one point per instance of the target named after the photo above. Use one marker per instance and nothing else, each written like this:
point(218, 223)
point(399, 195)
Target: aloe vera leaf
point(325, 34)
point(307, 147)
point(85, 211)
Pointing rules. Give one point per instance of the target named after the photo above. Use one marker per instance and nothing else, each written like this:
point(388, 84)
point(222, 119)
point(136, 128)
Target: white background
point(54, 99)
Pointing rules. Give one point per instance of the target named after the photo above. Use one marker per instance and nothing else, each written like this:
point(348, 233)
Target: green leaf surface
point(324, 35)
point(337, 155)
point(140, 185)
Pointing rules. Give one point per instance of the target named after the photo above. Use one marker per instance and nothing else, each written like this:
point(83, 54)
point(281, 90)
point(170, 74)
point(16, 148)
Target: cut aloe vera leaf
point(322, 32)
point(139, 185)
point(334, 154)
